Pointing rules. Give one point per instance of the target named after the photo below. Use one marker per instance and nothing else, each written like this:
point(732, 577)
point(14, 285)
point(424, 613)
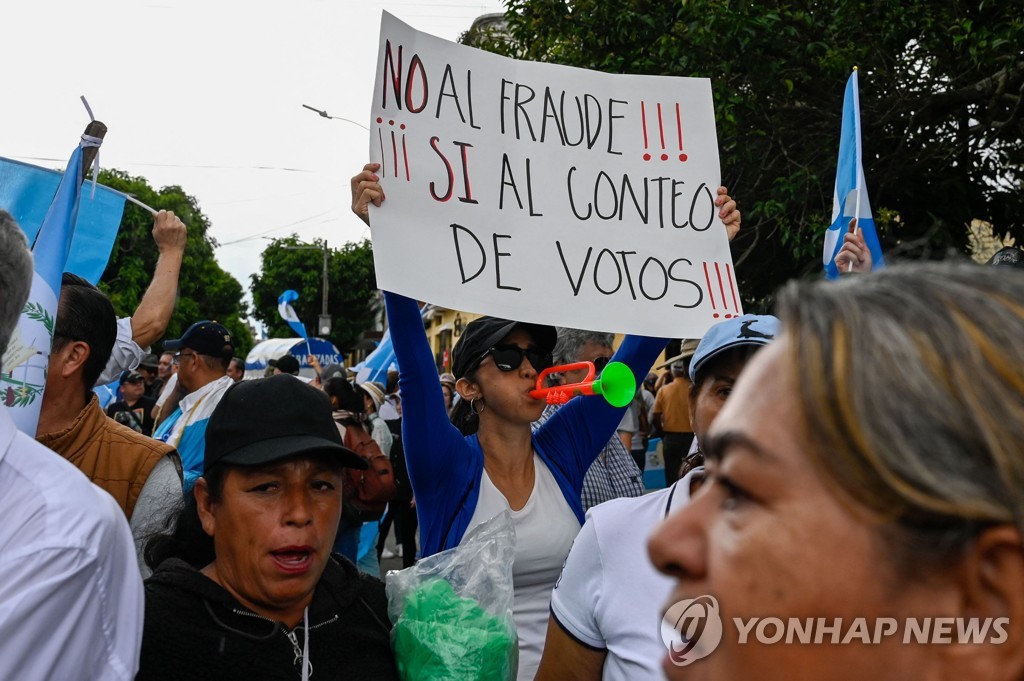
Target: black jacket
point(196, 630)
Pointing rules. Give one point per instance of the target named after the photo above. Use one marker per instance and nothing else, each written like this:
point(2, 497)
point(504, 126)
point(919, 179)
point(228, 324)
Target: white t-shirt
point(545, 528)
point(388, 411)
point(169, 387)
point(609, 596)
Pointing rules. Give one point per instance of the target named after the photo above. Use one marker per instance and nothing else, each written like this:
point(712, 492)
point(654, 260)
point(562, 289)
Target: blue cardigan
point(445, 467)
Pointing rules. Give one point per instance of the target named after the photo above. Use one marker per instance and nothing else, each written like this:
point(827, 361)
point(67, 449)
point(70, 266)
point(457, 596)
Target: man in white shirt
point(70, 592)
point(606, 606)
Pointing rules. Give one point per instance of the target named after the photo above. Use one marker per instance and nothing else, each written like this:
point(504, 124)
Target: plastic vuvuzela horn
point(616, 384)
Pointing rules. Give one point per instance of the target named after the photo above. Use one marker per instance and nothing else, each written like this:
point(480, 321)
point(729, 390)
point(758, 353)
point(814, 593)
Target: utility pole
point(323, 326)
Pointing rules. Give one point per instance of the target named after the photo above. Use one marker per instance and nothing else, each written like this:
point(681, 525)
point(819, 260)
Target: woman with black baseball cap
point(487, 459)
point(246, 587)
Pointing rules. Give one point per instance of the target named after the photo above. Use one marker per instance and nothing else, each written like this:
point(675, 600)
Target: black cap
point(267, 419)
point(481, 335)
point(206, 338)
point(150, 361)
point(288, 364)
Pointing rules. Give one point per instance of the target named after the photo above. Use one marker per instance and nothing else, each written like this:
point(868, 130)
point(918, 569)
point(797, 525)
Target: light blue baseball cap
point(750, 329)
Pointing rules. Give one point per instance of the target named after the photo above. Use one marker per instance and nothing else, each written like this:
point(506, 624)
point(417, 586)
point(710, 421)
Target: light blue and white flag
point(850, 198)
point(377, 364)
point(284, 307)
point(28, 353)
point(26, 192)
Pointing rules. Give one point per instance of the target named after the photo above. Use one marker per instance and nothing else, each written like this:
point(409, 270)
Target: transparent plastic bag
point(452, 612)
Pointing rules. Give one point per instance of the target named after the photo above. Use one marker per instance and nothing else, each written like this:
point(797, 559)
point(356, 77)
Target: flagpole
point(860, 159)
point(140, 204)
point(856, 118)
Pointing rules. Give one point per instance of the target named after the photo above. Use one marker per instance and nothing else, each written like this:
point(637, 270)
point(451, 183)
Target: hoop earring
point(472, 406)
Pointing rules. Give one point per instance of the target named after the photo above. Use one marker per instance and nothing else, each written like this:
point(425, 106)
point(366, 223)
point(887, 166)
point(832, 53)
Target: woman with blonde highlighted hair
point(866, 480)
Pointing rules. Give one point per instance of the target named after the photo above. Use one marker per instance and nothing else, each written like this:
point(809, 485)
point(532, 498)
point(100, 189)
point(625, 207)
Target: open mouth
point(293, 560)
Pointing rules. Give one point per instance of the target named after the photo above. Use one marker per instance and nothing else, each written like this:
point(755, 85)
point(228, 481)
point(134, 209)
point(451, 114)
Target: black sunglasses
point(510, 357)
point(600, 363)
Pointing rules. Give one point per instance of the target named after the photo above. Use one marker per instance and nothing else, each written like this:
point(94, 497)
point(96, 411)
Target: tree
point(205, 291)
point(351, 287)
point(941, 95)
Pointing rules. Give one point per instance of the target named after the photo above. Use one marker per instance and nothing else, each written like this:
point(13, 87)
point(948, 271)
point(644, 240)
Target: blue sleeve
point(576, 433)
point(440, 461)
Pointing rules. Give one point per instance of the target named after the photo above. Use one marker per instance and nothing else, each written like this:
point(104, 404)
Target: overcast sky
point(207, 94)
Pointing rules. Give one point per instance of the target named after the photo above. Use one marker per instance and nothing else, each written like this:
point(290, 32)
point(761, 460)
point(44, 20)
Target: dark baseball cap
point(206, 338)
point(481, 335)
point(288, 364)
point(264, 420)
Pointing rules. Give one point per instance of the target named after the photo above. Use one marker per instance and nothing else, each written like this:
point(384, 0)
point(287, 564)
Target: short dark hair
point(345, 393)
point(392, 382)
point(214, 363)
point(85, 314)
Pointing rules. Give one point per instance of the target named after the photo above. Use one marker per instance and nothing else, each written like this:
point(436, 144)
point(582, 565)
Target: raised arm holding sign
point(537, 218)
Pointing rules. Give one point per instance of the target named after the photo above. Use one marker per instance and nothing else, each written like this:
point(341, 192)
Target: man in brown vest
point(142, 474)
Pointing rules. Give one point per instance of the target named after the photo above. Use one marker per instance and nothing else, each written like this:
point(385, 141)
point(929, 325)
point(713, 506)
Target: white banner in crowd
point(546, 193)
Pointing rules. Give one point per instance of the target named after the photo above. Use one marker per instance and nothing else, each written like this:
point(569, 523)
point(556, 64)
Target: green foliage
point(941, 91)
point(351, 286)
point(205, 291)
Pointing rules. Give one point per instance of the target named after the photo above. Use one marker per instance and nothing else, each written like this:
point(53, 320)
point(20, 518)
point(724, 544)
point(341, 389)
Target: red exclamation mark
point(732, 288)
point(394, 148)
point(679, 131)
point(405, 154)
point(721, 289)
point(643, 121)
point(707, 278)
point(661, 129)
point(380, 138)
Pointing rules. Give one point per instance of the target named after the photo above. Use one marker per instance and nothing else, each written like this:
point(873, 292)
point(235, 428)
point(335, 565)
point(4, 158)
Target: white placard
point(547, 193)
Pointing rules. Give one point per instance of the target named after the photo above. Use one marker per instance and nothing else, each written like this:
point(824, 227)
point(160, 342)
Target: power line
point(275, 229)
point(176, 165)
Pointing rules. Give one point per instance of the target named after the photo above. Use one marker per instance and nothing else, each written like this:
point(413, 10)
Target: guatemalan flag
point(28, 353)
point(850, 198)
point(284, 306)
point(26, 192)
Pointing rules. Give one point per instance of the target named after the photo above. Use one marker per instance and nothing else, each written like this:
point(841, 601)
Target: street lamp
point(324, 322)
point(324, 114)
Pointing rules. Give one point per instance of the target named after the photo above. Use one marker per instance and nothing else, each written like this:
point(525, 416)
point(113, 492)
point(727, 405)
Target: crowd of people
point(857, 456)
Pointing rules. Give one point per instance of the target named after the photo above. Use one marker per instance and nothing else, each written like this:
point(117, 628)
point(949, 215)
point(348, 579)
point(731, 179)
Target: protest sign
point(547, 193)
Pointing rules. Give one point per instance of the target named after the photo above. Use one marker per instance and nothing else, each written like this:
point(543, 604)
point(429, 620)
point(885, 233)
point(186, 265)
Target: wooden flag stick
point(94, 129)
